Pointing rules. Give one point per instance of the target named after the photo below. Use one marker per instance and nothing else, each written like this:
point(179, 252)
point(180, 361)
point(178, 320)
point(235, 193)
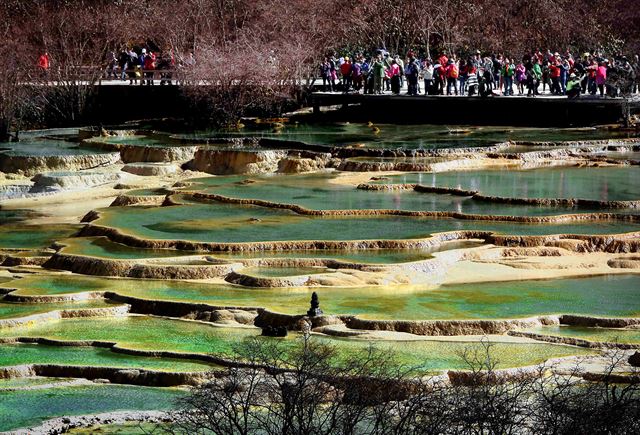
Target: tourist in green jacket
point(507, 72)
point(378, 67)
point(534, 74)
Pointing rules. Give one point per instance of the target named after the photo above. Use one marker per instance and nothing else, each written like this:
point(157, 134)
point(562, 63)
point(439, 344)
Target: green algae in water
point(432, 356)
point(102, 247)
point(318, 192)
point(17, 354)
point(34, 236)
point(141, 332)
point(227, 223)
point(607, 295)
point(24, 383)
point(129, 428)
point(410, 136)
point(161, 334)
point(32, 407)
point(601, 184)
point(607, 335)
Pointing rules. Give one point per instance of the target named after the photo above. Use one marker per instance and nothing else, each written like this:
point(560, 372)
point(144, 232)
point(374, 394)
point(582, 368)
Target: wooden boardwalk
point(497, 110)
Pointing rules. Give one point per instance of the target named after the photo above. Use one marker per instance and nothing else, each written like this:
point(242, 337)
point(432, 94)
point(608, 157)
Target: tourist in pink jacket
point(601, 77)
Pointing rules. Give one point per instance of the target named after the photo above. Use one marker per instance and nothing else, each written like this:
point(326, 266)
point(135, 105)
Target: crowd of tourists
point(137, 65)
point(483, 75)
point(141, 64)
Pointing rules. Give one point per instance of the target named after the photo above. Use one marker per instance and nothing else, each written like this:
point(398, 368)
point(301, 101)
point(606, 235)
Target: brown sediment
point(573, 341)
point(416, 327)
point(617, 243)
point(236, 161)
point(256, 281)
point(188, 310)
point(126, 200)
point(8, 260)
point(90, 216)
point(601, 322)
point(136, 268)
point(136, 153)
point(624, 263)
point(450, 327)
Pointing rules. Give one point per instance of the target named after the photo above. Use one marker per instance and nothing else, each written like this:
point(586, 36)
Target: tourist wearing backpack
point(412, 71)
point(452, 77)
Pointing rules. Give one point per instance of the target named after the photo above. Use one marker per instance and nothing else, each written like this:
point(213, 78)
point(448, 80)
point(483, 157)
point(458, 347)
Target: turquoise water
point(602, 184)
point(608, 295)
point(217, 222)
point(44, 148)
point(34, 236)
point(607, 335)
point(163, 334)
point(138, 140)
point(140, 332)
point(104, 248)
point(31, 407)
point(409, 136)
point(17, 354)
point(316, 192)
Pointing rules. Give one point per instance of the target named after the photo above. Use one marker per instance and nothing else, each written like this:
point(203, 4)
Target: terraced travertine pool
point(392, 136)
point(600, 183)
point(104, 248)
point(606, 335)
point(226, 223)
point(322, 192)
point(19, 354)
point(12, 310)
point(372, 290)
point(30, 407)
point(148, 333)
point(16, 236)
point(511, 299)
point(44, 148)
